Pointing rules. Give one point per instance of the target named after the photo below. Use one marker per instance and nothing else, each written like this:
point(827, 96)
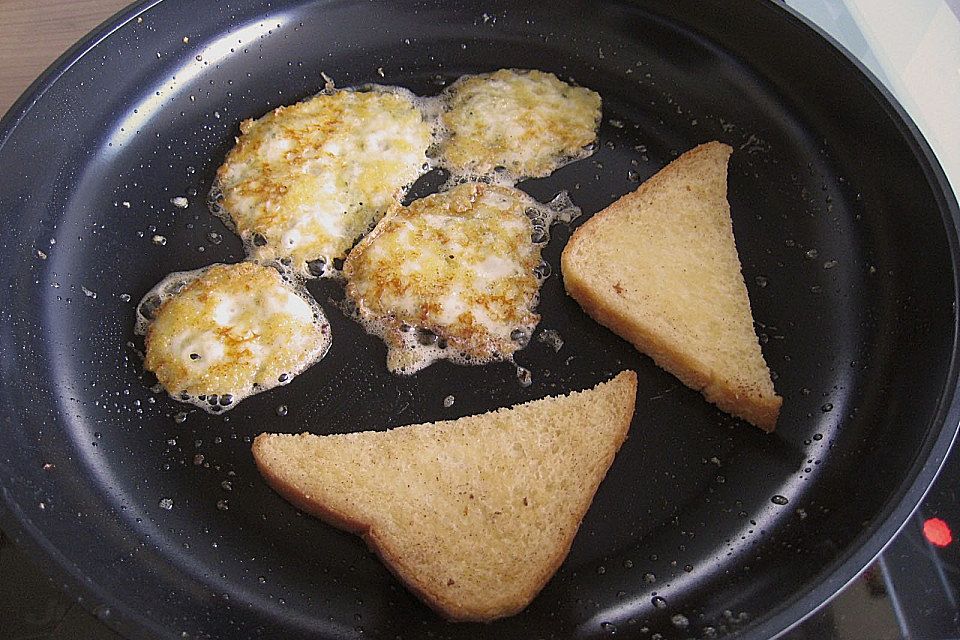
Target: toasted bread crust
point(757, 409)
point(750, 402)
point(494, 605)
point(392, 558)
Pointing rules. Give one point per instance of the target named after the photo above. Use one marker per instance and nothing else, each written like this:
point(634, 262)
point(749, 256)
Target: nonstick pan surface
point(704, 526)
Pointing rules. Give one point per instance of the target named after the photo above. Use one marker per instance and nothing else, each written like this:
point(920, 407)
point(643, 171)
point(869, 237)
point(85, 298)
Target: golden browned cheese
point(528, 122)
point(304, 181)
point(459, 264)
point(233, 330)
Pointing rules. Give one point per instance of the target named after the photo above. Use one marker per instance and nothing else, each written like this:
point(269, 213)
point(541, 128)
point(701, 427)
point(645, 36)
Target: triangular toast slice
point(474, 515)
point(659, 267)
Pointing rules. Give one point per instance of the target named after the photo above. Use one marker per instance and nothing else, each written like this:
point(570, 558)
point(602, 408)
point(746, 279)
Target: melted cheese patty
point(528, 122)
point(304, 181)
point(453, 275)
point(222, 333)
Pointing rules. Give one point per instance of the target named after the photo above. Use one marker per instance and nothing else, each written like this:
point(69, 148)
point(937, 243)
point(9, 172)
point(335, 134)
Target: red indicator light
point(937, 532)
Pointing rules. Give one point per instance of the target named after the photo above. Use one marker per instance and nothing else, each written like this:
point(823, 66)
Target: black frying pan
point(844, 221)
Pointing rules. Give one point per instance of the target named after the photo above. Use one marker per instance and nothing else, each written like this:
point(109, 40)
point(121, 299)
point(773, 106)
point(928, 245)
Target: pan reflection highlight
point(203, 60)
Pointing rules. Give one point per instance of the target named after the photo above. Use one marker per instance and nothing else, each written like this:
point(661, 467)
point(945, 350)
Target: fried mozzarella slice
point(454, 275)
point(219, 334)
point(528, 122)
point(306, 180)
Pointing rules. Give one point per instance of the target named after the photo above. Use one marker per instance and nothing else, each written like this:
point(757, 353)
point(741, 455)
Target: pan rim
point(45, 555)
point(834, 579)
point(805, 603)
point(50, 75)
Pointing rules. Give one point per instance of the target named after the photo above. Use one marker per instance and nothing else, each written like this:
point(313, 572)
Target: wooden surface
point(33, 33)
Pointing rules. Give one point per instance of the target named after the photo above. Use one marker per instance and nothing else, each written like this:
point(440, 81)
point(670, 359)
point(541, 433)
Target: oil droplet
point(180, 418)
point(543, 270)
point(680, 621)
point(780, 500)
point(827, 408)
point(811, 254)
point(159, 240)
point(262, 580)
point(524, 376)
point(520, 336)
point(282, 410)
point(609, 627)
point(818, 436)
point(649, 578)
point(448, 401)
point(166, 503)
point(830, 264)
point(551, 338)
point(762, 281)
point(659, 602)
point(124, 297)
point(601, 570)
point(223, 505)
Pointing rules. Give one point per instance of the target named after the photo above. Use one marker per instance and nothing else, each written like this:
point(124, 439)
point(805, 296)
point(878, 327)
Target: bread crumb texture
point(474, 515)
point(660, 268)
